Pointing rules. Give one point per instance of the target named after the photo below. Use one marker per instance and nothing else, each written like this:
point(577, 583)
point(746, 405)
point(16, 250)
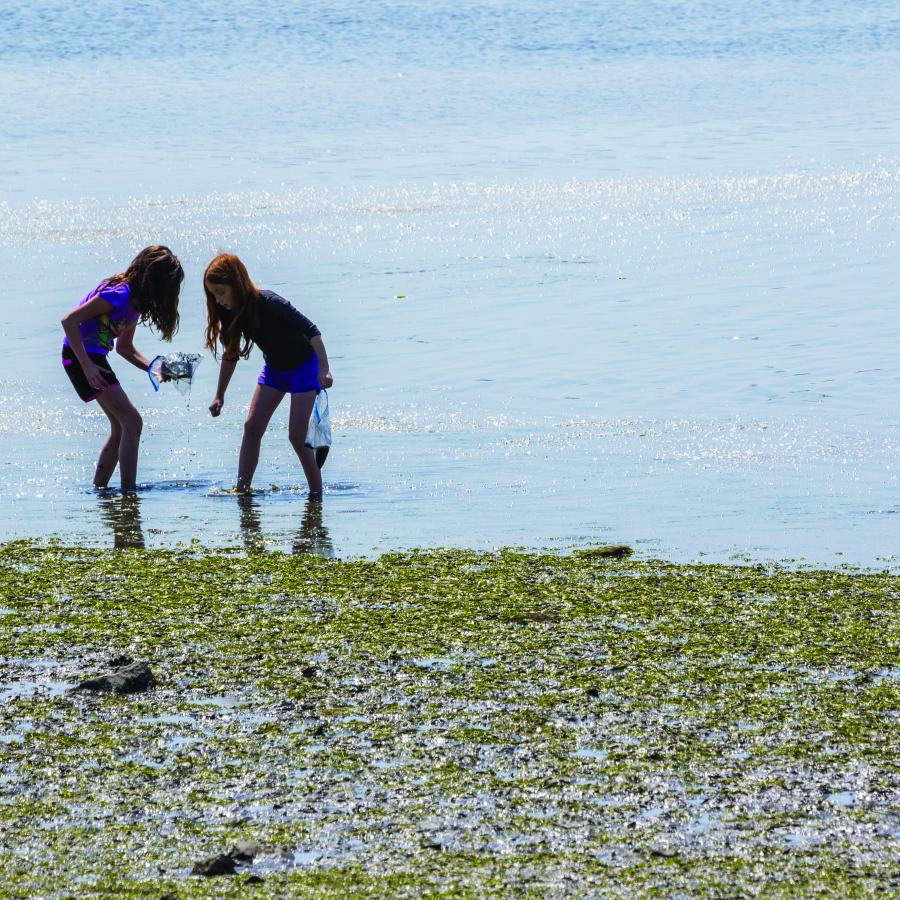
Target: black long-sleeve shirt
point(284, 332)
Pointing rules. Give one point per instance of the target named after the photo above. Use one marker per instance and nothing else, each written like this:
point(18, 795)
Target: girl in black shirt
point(241, 315)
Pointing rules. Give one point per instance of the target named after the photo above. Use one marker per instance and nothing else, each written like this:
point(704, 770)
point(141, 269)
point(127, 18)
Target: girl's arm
point(326, 379)
point(226, 370)
point(126, 349)
point(96, 306)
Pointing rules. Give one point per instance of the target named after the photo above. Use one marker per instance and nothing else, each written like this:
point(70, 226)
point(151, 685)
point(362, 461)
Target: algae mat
point(447, 722)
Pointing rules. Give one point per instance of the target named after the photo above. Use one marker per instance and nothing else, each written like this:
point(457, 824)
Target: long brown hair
point(154, 277)
point(232, 327)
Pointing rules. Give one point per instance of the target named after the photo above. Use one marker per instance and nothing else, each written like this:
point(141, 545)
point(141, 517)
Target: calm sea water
point(586, 273)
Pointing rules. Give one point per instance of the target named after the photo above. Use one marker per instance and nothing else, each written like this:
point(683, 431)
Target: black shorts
point(79, 379)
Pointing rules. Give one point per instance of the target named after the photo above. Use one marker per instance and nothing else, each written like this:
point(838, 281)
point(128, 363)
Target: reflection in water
point(122, 514)
point(251, 527)
point(312, 537)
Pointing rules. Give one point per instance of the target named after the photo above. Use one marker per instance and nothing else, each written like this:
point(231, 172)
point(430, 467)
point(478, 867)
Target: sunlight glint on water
point(584, 274)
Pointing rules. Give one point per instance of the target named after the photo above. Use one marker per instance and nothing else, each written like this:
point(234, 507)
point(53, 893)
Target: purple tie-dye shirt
point(99, 334)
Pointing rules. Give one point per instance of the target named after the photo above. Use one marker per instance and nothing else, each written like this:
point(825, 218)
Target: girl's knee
point(133, 424)
point(254, 430)
point(298, 441)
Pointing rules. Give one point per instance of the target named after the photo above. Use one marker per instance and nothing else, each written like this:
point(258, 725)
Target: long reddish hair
point(232, 327)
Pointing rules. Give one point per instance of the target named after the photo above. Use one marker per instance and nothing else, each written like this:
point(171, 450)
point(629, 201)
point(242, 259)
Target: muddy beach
point(445, 721)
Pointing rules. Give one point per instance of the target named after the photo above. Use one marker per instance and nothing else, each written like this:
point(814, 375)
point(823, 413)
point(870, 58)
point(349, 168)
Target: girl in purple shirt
point(147, 291)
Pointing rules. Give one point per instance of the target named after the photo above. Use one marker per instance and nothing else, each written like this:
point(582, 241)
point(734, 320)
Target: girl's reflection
point(312, 538)
point(122, 514)
point(251, 527)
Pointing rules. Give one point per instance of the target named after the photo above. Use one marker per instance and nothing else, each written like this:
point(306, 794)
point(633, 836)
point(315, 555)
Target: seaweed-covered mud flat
point(444, 722)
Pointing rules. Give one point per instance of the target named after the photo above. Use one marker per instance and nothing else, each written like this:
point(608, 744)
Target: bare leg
point(264, 402)
point(109, 454)
point(301, 409)
point(115, 403)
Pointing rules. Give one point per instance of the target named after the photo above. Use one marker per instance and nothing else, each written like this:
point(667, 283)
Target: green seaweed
point(448, 722)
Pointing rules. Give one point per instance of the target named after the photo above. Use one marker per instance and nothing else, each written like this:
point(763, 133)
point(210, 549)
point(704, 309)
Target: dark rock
point(220, 864)
point(593, 692)
point(663, 852)
point(611, 551)
point(119, 661)
point(126, 680)
point(309, 671)
point(244, 851)
point(255, 879)
point(528, 616)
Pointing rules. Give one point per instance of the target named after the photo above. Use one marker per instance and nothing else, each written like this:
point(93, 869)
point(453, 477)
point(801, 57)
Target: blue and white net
point(178, 368)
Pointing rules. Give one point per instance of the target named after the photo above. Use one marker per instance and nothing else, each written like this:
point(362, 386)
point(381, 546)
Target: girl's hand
point(326, 379)
point(94, 375)
point(216, 406)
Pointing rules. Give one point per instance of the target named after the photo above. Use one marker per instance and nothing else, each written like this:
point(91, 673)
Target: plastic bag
point(176, 367)
point(318, 435)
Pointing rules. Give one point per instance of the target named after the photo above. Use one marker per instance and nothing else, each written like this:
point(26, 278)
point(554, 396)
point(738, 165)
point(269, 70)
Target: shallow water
point(584, 275)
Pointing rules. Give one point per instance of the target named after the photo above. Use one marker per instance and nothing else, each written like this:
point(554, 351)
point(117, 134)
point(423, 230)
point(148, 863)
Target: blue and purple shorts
point(292, 381)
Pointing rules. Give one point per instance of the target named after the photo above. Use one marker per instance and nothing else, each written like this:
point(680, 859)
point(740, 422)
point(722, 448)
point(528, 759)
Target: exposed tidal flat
point(446, 721)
